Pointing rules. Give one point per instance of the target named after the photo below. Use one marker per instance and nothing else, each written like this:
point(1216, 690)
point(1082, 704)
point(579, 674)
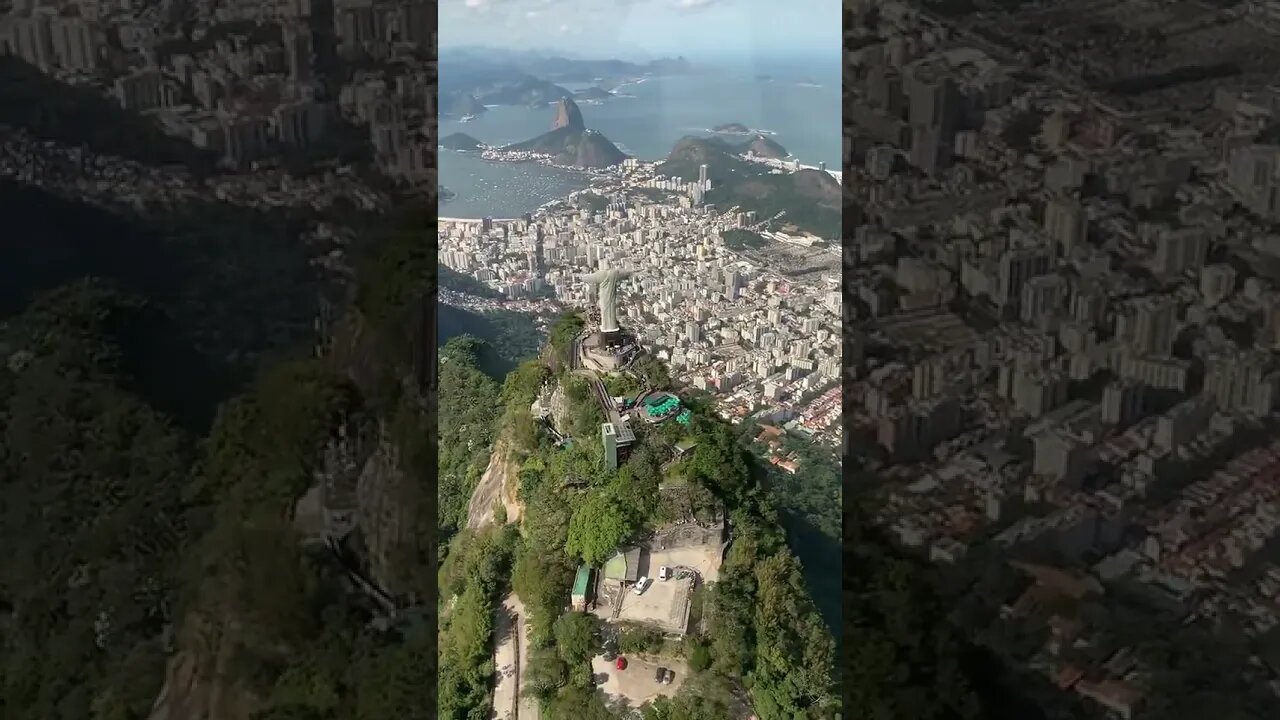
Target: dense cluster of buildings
point(723, 322)
point(249, 81)
point(1067, 307)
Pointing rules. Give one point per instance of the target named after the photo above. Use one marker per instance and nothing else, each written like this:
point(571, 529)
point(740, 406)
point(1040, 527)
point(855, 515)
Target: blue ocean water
point(798, 107)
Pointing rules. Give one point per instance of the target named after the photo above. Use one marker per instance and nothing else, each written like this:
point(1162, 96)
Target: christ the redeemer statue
point(607, 279)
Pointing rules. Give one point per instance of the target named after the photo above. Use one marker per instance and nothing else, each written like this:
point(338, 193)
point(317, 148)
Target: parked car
point(670, 675)
point(621, 663)
point(661, 675)
point(664, 572)
point(642, 584)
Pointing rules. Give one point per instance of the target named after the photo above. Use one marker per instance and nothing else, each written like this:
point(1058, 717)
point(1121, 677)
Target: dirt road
point(505, 660)
point(511, 654)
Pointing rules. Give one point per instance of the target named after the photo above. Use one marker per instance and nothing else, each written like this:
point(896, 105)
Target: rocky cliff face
point(568, 116)
point(197, 685)
point(384, 520)
point(595, 151)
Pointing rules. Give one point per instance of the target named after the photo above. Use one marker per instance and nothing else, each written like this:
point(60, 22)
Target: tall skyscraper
point(386, 127)
point(354, 26)
point(1253, 174)
point(1180, 249)
point(417, 20)
point(933, 113)
point(732, 283)
point(302, 123)
point(1150, 325)
point(33, 40)
point(299, 51)
point(74, 43)
point(1016, 268)
point(1065, 222)
point(1242, 382)
point(702, 177)
point(1043, 297)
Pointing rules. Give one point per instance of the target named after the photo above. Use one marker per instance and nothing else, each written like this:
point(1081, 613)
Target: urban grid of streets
point(1068, 314)
point(758, 329)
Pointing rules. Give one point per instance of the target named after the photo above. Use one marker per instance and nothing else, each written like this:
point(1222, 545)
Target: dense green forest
point(469, 412)
point(764, 631)
point(142, 524)
point(509, 337)
point(811, 509)
point(92, 481)
point(141, 532)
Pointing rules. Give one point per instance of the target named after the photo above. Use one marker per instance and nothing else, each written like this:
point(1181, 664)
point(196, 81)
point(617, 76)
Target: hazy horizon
point(720, 32)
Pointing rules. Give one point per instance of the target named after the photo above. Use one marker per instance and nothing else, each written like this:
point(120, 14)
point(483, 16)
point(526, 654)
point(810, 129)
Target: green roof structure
point(581, 581)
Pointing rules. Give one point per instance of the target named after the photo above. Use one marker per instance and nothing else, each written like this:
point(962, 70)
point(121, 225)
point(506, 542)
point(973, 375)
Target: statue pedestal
point(609, 352)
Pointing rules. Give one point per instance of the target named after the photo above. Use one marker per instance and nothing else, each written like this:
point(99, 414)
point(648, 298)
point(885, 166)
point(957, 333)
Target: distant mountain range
point(471, 78)
point(555, 66)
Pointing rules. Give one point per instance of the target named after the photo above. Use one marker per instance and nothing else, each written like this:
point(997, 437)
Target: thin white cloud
point(692, 4)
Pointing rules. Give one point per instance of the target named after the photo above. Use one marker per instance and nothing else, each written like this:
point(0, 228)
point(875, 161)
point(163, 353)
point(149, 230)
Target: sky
point(637, 30)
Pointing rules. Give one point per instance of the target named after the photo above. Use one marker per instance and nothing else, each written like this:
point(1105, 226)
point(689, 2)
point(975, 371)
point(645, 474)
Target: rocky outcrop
point(498, 484)
point(385, 521)
point(196, 681)
point(570, 143)
point(595, 151)
point(568, 116)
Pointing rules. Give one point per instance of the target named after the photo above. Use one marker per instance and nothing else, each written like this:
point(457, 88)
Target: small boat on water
point(466, 118)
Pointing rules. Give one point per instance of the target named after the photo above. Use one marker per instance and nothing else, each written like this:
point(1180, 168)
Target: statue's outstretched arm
point(594, 278)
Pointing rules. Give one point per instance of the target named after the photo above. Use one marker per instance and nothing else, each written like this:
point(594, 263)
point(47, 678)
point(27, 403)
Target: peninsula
point(569, 142)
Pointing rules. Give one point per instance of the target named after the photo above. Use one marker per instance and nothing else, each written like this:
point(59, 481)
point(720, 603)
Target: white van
point(641, 585)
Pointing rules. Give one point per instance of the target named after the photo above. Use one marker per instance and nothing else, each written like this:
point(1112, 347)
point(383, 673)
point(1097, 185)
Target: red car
point(621, 664)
